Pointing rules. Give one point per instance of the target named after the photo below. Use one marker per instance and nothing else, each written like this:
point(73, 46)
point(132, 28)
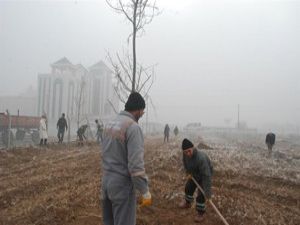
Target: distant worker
point(166, 133)
point(176, 131)
point(62, 126)
point(270, 141)
point(123, 165)
point(43, 131)
point(99, 131)
point(80, 134)
point(197, 165)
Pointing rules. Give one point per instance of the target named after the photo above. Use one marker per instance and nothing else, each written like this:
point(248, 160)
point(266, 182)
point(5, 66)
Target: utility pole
point(238, 122)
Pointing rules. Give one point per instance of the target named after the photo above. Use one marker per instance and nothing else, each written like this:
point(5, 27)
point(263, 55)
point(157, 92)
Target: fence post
point(69, 131)
point(9, 128)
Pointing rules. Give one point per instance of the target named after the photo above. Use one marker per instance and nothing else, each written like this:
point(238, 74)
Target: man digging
point(196, 164)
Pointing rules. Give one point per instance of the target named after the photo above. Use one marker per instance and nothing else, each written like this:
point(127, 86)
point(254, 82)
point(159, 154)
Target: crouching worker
point(123, 165)
point(81, 134)
point(197, 165)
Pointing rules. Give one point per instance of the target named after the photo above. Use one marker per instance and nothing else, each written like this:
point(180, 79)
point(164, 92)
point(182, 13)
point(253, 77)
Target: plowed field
point(61, 185)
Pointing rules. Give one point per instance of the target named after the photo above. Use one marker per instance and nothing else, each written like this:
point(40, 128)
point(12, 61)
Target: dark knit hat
point(135, 102)
point(186, 144)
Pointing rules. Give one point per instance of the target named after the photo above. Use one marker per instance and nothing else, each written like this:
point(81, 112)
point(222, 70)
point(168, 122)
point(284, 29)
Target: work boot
point(184, 205)
point(199, 217)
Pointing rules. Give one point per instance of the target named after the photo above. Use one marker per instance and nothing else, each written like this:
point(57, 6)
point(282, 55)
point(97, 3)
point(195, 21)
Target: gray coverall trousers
point(118, 200)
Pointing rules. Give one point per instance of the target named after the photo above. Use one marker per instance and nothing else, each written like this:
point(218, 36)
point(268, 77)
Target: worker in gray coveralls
point(123, 165)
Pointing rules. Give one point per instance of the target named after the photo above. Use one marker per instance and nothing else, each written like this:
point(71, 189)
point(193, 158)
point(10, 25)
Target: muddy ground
point(61, 184)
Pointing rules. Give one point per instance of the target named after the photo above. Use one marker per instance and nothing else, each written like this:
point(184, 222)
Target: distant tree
point(132, 76)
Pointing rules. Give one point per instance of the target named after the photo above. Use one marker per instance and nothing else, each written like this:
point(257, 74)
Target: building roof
point(80, 67)
point(99, 66)
point(62, 62)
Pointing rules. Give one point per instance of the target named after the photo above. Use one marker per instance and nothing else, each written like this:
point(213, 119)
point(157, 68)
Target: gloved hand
point(146, 199)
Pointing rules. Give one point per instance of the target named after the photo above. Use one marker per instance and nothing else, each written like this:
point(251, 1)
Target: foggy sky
point(211, 55)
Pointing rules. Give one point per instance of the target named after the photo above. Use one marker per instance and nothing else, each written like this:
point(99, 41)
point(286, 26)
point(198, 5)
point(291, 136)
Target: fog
point(210, 55)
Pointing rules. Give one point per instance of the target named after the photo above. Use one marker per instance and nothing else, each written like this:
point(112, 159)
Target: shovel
point(211, 203)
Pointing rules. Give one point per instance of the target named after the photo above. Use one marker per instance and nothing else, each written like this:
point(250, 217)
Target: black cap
point(135, 102)
point(186, 144)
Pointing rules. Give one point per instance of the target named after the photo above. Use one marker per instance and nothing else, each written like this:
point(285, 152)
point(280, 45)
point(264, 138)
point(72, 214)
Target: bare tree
point(80, 100)
point(130, 75)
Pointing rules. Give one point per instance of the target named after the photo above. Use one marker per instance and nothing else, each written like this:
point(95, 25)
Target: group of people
point(62, 127)
point(123, 171)
point(82, 129)
point(167, 132)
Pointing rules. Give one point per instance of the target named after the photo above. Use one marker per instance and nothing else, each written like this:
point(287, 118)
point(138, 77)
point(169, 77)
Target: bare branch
point(113, 107)
point(119, 96)
point(124, 11)
point(124, 68)
point(148, 78)
point(152, 81)
point(117, 73)
point(128, 73)
point(139, 77)
point(118, 10)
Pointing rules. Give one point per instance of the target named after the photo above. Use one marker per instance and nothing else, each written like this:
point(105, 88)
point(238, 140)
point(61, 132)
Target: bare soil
point(61, 185)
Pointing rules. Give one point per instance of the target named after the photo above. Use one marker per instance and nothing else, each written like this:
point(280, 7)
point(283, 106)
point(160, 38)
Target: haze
point(210, 55)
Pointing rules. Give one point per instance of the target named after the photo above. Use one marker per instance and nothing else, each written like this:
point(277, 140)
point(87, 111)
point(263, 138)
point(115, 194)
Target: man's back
point(270, 138)
point(115, 138)
point(62, 123)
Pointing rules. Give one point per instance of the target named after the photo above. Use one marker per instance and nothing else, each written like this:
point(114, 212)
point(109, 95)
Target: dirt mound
point(202, 145)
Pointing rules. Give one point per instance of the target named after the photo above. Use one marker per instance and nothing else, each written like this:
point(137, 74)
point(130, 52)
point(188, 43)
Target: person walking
point(196, 164)
point(176, 131)
point(62, 126)
point(43, 131)
point(123, 165)
point(270, 141)
point(99, 131)
point(166, 133)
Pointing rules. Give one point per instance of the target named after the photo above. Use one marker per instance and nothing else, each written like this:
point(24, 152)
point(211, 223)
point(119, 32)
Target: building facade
point(78, 92)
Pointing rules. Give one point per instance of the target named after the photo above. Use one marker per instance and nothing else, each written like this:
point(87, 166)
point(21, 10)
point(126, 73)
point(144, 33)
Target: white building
point(100, 91)
point(72, 88)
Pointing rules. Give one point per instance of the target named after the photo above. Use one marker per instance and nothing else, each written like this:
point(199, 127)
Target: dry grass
point(61, 186)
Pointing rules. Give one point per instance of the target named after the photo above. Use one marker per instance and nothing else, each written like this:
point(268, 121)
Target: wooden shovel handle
point(211, 203)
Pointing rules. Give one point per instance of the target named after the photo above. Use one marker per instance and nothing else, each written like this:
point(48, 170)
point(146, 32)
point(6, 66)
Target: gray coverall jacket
point(123, 169)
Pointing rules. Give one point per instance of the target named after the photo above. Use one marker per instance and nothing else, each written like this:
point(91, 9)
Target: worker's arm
point(135, 147)
point(206, 175)
point(206, 182)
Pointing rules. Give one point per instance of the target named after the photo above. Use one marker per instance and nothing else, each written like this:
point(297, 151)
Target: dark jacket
point(270, 138)
point(200, 167)
point(62, 123)
point(81, 130)
point(167, 130)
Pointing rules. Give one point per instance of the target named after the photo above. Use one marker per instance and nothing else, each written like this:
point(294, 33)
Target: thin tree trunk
point(134, 46)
